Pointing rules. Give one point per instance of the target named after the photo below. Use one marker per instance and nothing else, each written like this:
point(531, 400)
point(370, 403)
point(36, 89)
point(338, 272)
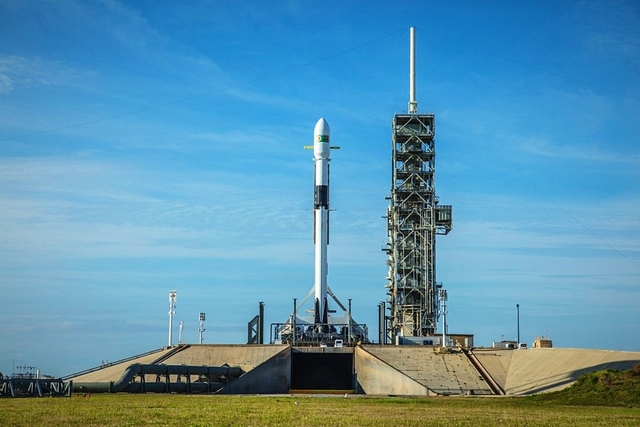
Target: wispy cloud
point(18, 72)
point(616, 33)
point(578, 151)
point(537, 251)
point(73, 207)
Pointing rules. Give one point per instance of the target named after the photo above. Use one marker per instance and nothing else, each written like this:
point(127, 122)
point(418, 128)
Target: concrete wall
point(443, 373)
point(375, 377)
point(539, 370)
point(270, 377)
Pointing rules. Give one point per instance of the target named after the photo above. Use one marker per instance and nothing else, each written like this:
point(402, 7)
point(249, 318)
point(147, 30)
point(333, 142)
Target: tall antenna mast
point(413, 104)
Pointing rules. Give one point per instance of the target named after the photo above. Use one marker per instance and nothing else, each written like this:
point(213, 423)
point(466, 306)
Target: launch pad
point(409, 370)
point(301, 329)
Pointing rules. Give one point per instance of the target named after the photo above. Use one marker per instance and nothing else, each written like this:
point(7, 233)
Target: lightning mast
point(414, 217)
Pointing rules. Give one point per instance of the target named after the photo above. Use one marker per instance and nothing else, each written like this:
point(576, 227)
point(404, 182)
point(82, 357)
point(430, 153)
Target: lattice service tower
point(414, 218)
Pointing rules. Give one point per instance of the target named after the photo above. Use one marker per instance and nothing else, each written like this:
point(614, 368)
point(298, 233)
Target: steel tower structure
point(414, 218)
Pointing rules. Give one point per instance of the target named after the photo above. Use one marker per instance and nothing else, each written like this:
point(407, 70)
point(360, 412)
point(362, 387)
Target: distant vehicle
point(509, 345)
point(523, 346)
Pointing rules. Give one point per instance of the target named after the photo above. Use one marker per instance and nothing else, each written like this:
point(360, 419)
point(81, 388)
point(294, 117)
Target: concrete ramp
point(245, 356)
point(112, 372)
point(434, 373)
point(377, 377)
point(496, 363)
point(537, 370)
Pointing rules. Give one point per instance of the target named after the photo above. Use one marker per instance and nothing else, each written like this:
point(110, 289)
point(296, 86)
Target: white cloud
point(18, 72)
point(577, 151)
point(511, 248)
point(609, 30)
point(83, 208)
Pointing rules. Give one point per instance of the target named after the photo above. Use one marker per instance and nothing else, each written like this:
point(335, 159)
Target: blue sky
point(150, 146)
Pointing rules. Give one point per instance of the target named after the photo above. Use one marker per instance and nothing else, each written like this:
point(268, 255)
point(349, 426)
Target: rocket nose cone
point(322, 128)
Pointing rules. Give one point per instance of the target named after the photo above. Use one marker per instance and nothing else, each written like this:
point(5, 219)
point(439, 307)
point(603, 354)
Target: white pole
point(444, 329)
point(173, 295)
point(201, 328)
point(442, 295)
point(413, 104)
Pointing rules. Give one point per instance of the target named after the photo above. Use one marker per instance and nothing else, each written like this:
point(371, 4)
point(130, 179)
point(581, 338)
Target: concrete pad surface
point(496, 362)
point(245, 356)
point(537, 370)
point(442, 373)
point(114, 372)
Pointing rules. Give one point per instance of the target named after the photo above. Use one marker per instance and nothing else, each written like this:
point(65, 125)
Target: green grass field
point(604, 398)
point(212, 410)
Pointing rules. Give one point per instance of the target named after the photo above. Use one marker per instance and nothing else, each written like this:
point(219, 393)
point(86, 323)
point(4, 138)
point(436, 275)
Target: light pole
point(442, 296)
point(173, 296)
point(518, 319)
point(349, 327)
point(293, 322)
point(201, 329)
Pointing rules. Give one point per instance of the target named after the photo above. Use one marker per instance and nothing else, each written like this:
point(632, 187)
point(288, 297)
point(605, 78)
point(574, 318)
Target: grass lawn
point(282, 411)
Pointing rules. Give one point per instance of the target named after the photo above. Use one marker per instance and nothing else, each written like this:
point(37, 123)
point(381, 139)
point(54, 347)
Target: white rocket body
point(321, 151)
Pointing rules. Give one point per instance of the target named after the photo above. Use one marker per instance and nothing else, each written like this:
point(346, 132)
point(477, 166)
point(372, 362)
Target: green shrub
point(602, 388)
